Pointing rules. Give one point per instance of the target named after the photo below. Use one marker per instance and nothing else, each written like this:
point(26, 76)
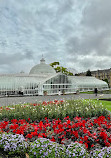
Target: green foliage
point(57, 109)
point(61, 69)
point(103, 153)
point(88, 73)
point(58, 69)
point(106, 104)
point(13, 145)
point(54, 64)
point(71, 108)
point(106, 80)
point(44, 147)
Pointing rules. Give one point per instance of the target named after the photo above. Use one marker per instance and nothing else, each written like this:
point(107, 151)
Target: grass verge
point(106, 104)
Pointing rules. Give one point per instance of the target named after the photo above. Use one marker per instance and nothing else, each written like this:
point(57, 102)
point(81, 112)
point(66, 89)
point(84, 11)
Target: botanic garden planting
point(76, 128)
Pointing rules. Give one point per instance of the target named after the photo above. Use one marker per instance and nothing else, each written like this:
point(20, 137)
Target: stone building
point(103, 75)
point(100, 74)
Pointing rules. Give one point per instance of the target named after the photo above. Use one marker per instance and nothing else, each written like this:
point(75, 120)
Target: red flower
point(62, 141)
point(109, 117)
point(29, 136)
point(75, 133)
point(92, 145)
point(18, 131)
point(81, 142)
point(14, 121)
point(85, 138)
point(103, 135)
point(15, 126)
point(109, 139)
point(34, 134)
point(40, 124)
point(68, 122)
point(107, 144)
point(86, 145)
point(53, 139)
point(28, 119)
point(40, 136)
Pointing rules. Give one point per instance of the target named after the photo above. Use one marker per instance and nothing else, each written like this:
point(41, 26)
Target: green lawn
point(99, 92)
point(106, 104)
point(89, 92)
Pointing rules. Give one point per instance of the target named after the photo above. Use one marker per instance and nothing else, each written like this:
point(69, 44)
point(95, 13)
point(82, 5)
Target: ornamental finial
point(42, 60)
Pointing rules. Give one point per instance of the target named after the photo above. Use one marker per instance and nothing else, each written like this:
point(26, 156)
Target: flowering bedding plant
point(44, 148)
point(53, 110)
point(102, 153)
point(13, 143)
point(88, 131)
point(56, 129)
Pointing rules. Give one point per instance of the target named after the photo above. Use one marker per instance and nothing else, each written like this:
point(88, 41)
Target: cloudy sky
point(77, 33)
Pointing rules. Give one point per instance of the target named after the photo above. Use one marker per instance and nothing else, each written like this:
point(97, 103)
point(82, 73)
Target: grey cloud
point(95, 30)
point(98, 14)
point(62, 30)
point(6, 59)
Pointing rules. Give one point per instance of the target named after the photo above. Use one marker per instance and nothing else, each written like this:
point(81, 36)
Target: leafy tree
point(54, 64)
point(88, 73)
point(76, 74)
point(106, 80)
point(70, 74)
point(58, 68)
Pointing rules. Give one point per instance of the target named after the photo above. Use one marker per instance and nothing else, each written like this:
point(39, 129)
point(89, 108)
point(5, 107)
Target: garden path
point(32, 99)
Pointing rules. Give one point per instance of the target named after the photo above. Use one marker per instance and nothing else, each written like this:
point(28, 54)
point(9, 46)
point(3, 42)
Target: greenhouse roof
point(87, 81)
point(42, 68)
point(11, 80)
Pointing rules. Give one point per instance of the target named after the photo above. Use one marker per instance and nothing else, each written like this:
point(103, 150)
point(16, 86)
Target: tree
point(54, 64)
point(58, 68)
point(70, 73)
point(88, 73)
point(106, 80)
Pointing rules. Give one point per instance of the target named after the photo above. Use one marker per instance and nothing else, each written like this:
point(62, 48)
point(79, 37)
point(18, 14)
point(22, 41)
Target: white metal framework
point(43, 79)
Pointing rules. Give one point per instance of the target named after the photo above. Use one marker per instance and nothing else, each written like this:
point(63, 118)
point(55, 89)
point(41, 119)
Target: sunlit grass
point(99, 92)
point(106, 104)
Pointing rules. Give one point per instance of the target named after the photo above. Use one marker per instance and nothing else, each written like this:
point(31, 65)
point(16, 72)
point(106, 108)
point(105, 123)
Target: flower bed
point(86, 131)
point(12, 144)
point(53, 110)
point(43, 147)
point(53, 136)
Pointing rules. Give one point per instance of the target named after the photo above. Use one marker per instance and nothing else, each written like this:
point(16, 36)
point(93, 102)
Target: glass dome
point(42, 68)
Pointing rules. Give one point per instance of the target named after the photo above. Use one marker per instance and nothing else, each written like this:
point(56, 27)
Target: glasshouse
point(43, 80)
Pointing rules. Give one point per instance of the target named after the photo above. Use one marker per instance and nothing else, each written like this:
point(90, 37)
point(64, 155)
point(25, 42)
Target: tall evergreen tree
point(88, 73)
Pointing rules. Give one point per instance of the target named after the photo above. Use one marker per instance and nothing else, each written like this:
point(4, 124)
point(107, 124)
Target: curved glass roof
point(42, 68)
point(15, 81)
point(86, 81)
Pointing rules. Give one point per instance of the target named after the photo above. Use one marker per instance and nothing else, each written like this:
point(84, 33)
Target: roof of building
point(42, 68)
point(87, 81)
